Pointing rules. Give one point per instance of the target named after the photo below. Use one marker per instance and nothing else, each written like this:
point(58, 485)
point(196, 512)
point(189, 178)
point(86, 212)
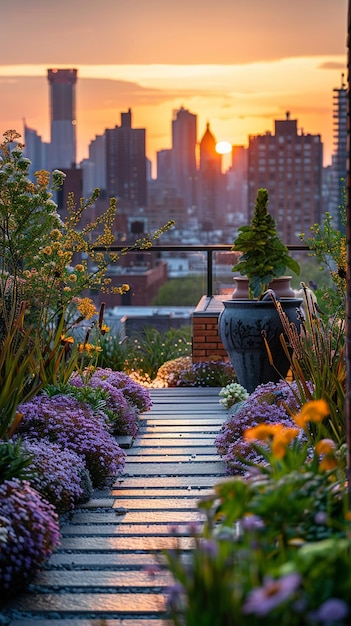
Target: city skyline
point(291, 59)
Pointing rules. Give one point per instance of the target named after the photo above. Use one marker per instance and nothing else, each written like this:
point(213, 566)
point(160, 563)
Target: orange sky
point(238, 67)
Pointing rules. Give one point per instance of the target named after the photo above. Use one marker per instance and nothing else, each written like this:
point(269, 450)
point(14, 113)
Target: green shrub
point(14, 461)
point(188, 291)
point(153, 348)
point(115, 352)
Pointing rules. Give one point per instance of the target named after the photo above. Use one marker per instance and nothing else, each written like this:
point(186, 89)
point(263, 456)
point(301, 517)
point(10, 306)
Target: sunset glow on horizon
point(221, 95)
point(254, 77)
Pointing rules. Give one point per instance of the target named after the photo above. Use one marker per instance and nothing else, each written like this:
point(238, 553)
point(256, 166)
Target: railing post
point(209, 273)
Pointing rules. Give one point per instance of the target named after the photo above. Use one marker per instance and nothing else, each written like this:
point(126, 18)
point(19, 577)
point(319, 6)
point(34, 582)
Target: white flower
point(231, 394)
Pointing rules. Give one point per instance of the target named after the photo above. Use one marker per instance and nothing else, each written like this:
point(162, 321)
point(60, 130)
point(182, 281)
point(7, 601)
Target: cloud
point(171, 32)
point(332, 65)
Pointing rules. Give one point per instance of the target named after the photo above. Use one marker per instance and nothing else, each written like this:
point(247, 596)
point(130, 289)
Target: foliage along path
point(105, 568)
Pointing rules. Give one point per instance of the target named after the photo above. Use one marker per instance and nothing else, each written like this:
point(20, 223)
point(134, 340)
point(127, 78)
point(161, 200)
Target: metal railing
point(210, 251)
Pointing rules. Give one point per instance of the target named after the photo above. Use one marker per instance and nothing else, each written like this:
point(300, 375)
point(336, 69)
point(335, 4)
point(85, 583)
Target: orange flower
point(262, 432)
point(325, 446)
point(327, 463)
point(279, 435)
point(313, 411)
point(281, 441)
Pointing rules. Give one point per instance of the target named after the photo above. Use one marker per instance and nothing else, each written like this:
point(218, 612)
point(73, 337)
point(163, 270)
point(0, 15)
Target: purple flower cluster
point(29, 532)
point(265, 405)
point(126, 398)
point(60, 475)
point(72, 424)
point(135, 393)
point(273, 593)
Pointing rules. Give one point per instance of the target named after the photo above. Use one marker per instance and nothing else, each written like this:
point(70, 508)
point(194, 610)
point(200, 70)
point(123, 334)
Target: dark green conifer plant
point(264, 256)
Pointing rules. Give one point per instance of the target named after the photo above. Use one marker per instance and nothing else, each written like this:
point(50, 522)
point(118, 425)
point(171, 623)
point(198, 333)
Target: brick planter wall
point(206, 343)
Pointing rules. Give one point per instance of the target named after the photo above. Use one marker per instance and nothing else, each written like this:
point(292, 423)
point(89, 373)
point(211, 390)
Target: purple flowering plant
point(29, 533)
point(125, 398)
point(270, 403)
point(135, 393)
point(72, 425)
point(59, 474)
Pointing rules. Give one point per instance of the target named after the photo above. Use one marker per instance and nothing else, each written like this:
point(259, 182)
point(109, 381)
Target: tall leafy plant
point(328, 245)
point(316, 355)
point(20, 378)
point(38, 251)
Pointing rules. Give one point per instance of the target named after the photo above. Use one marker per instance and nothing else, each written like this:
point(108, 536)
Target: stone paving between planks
point(101, 573)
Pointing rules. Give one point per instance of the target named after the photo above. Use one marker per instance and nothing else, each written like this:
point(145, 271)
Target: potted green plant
point(264, 256)
point(247, 327)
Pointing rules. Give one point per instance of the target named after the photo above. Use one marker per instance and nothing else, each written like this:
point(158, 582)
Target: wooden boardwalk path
point(101, 573)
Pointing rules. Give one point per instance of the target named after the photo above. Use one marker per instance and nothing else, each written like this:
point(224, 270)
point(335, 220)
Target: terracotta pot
point(281, 286)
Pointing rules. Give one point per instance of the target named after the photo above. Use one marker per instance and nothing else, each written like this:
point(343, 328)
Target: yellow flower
point(314, 411)
point(56, 234)
point(66, 340)
point(72, 278)
point(56, 246)
point(89, 347)
point(43, 177)
point(79, 268)
point(86, 307)
point(47, 250)
point(104, 329)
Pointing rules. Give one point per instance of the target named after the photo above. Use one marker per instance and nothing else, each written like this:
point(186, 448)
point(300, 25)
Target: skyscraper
point(289, 165)
point(62, 117)
point(36, 150)
point(184, 134)
point(339, 158)
point(126, 162)
point(210, 183)
point(94, 167)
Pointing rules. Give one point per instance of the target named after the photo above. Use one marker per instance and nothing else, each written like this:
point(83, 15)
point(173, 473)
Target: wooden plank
point(108, 543)
point(71, 580)
point(82, 603)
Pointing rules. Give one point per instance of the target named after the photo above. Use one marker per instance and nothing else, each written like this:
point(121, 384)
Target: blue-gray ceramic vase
point(241, 325)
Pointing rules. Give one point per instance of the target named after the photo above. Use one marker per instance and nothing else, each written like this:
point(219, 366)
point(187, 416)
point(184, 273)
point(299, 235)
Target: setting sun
point(223, 147)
